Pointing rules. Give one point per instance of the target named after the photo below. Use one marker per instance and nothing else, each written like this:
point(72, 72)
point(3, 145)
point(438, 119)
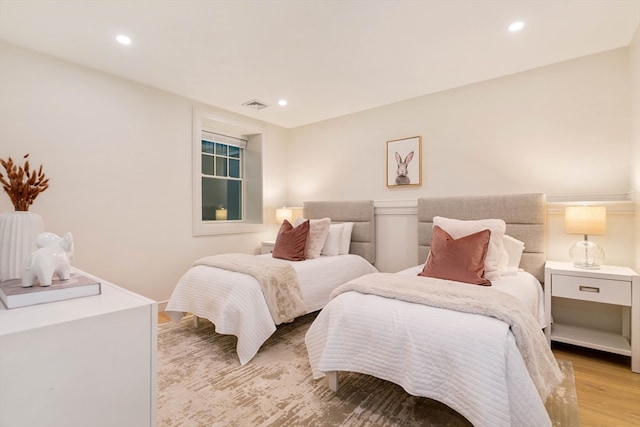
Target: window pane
point(234, 151)
point(221, 166)
point(221, 193)
point(207, 164)
point(234, 199)
point(234, 168)
point(221, 149)
point(207, 147)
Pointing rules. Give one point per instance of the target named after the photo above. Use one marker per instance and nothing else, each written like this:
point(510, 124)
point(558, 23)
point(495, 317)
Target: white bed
point(469, 361)
point(234, 302)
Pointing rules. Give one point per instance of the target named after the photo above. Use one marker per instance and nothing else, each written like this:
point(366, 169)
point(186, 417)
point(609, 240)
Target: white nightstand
point(266, 247)
point(607, 285)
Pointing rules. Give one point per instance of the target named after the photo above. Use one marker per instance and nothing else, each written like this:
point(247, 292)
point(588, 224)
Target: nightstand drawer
point(589, 289)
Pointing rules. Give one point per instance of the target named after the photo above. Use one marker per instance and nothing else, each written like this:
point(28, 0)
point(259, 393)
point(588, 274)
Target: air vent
point(255, 104)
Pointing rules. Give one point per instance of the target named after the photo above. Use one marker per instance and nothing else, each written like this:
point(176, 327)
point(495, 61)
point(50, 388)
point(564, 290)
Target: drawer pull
point(589, 289)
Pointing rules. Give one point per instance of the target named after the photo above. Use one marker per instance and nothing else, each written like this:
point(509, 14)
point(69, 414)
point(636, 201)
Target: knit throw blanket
point(278, 280)
point(530, 339)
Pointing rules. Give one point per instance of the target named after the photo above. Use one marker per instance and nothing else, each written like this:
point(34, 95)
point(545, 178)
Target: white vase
point(18, 232)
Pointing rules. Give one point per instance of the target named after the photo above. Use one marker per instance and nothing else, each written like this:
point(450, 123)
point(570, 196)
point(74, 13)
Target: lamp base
point(587, 267)
point(586, 254)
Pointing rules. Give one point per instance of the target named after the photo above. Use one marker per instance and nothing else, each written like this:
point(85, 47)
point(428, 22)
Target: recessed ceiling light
point(122, 39)
point(516, 26)
point(282, 102)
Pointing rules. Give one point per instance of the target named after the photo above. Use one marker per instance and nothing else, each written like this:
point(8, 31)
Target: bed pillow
point(346, 238)
point(334, 240)
point(460, 259)
point(291, 241)
point(496, 256)
point(514, 249)
point(318, 230)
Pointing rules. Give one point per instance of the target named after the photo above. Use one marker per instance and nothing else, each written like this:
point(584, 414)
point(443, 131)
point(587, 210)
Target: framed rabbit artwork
point(404, 162)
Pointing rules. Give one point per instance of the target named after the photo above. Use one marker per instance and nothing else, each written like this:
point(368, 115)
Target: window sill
point(223, 227)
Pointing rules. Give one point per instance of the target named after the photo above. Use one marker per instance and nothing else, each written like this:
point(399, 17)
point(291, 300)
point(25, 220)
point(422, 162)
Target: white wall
point(118, 156)
point(634, 50)
point(562, 130)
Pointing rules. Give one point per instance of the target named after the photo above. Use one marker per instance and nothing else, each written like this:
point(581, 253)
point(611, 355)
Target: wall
point(634, 50)
point(118, 156)
point(562, 130)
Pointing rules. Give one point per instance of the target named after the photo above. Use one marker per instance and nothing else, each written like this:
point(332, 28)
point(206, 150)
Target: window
point(222, 180)
point(228, 175)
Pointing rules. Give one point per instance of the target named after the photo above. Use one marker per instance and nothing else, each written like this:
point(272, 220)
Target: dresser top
point(112, 299)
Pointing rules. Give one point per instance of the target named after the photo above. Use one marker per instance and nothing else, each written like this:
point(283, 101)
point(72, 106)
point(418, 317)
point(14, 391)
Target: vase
point(18, 233)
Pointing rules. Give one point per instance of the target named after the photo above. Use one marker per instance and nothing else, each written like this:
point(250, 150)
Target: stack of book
point(13, 295)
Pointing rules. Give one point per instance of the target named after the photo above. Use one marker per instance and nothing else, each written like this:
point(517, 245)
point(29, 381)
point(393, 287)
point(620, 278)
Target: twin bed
point(491, 365)
point(481, 351)
point(234, 301)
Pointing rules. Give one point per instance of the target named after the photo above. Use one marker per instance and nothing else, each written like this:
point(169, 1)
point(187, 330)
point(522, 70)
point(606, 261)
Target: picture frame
point(404, 162)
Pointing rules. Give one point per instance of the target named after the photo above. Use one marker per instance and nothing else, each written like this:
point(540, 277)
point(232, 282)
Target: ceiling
point(327, 58)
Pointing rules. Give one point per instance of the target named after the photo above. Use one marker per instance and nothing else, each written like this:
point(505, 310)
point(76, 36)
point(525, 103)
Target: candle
point(221, 214)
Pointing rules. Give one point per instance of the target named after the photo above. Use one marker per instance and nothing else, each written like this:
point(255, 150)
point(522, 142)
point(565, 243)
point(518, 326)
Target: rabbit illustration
point(402, 177)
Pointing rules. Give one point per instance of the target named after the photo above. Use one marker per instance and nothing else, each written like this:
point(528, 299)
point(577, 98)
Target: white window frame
point(254, 174)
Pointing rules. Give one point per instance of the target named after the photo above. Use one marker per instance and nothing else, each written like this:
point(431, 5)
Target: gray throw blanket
point(530, 339)
point(278, 280)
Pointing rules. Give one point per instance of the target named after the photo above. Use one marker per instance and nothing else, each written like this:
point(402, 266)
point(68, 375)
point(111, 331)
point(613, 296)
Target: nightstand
point(266, 247)
point(607, 285)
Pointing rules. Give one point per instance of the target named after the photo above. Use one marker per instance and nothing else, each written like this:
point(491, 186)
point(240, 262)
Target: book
point(13, 295)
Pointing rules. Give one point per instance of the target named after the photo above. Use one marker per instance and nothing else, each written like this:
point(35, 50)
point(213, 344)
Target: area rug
point(201, 383)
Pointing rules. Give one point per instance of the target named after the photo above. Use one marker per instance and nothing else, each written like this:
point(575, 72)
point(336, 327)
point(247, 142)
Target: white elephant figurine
point(53, 256)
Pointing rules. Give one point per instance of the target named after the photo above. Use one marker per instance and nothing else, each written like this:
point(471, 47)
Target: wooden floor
point(608, 392)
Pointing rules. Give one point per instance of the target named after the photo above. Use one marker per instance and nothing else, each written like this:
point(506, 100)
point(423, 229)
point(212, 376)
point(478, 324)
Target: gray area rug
point(201, 383)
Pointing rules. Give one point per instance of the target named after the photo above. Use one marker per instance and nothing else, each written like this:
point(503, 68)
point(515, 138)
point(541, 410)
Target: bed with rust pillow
point(460, 259)
point(291, 241)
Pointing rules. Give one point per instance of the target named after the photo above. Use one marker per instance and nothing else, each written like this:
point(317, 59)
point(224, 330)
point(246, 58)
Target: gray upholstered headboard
point(525, 215)
point(360, 212)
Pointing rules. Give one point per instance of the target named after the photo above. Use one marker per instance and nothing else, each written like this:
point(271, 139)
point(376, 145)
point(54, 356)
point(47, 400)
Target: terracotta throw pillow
point(460, 259)
point(291, 241)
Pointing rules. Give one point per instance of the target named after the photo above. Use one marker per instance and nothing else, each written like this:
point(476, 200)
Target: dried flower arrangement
point(22, 184)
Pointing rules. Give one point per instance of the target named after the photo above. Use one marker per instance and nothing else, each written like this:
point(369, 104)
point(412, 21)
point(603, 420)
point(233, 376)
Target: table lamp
point(290, 214)
point(586, 220)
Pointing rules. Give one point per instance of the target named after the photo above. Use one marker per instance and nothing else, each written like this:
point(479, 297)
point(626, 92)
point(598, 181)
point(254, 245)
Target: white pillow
point(496, 252)
point(346, 238)
point(514, 248)
point(318, 231)
point(333, 242)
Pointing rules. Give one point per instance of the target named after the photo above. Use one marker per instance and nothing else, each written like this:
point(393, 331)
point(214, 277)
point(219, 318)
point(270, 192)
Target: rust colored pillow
point(291, 241)
point(460, 259)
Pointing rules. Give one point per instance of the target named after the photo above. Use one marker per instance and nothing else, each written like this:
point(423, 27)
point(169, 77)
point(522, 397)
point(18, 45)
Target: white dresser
point(88, 361)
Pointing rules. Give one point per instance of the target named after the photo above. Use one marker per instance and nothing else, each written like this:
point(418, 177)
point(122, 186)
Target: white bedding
point(469, 362)
point(234, 303)
point(521, 285)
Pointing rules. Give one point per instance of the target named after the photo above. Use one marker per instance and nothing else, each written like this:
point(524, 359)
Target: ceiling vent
point(255, 104)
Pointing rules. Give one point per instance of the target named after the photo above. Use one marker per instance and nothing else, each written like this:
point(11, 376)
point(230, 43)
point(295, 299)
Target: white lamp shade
point(585, 220)
point(290, 214)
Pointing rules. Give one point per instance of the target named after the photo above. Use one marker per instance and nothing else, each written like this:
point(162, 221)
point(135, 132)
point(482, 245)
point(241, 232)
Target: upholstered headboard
point(525, 215)
point(360, 212)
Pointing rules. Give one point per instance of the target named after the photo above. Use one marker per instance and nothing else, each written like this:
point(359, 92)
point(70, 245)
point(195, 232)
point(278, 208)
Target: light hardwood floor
point(608, 392)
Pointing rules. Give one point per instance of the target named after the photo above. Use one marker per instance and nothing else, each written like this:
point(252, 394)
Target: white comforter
point(469, 362)
point(234, 302)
